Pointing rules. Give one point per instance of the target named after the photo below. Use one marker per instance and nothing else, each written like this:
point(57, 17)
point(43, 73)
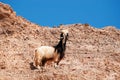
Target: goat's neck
point(61, 47)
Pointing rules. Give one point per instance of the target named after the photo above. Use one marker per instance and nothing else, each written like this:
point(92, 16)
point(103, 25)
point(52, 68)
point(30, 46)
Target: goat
point(54, 53)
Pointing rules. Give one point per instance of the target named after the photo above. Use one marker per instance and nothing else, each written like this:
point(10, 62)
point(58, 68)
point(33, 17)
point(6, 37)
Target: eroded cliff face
point(91, 54)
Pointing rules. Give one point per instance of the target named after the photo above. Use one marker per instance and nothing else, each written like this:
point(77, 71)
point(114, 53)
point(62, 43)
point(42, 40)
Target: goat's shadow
point(32, 67)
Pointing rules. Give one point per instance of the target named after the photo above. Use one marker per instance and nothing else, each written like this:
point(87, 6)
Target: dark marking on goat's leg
point(43, 61)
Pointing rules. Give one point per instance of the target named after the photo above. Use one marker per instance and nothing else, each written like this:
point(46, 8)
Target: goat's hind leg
point(38, 64)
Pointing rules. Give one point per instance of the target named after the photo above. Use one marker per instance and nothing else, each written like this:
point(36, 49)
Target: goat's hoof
point(56, 67)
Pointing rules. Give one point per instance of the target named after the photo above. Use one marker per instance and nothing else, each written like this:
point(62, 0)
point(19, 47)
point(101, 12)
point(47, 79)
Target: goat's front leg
point(56, 65)
point(56, 62)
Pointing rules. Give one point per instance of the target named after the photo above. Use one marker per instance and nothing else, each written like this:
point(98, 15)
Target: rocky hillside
point(91, 54)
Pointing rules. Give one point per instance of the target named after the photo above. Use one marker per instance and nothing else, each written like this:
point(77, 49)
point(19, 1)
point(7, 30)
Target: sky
point(97, 13)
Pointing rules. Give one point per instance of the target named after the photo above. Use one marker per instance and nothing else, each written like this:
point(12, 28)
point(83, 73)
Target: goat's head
point(64, 35)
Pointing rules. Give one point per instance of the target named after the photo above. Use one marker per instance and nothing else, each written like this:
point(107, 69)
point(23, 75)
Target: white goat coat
point(45, 52)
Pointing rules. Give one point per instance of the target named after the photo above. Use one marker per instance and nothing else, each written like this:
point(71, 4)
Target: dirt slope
point(92, 54)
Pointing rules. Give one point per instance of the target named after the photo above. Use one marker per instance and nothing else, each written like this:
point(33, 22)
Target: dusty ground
point(92, 54)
